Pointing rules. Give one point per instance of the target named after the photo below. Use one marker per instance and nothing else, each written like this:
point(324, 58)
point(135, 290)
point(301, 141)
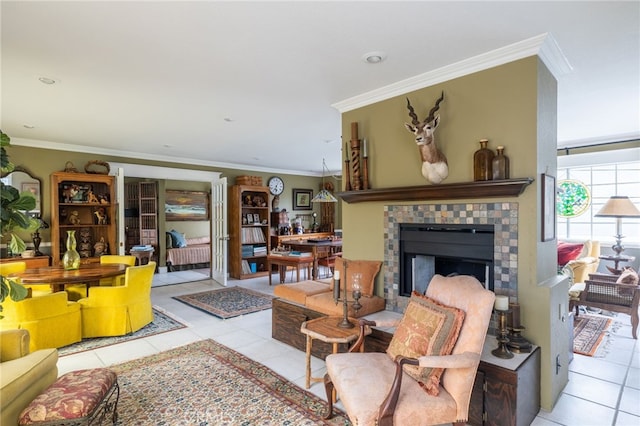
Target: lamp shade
point(618, 206)
point(324, 196)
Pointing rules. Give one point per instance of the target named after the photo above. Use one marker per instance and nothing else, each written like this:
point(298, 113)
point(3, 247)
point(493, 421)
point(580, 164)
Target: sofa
point(23, 374)
point(317, 295)
point(188, 252)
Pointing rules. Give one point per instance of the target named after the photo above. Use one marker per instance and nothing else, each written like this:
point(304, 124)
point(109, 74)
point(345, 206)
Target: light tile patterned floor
point(602, 390)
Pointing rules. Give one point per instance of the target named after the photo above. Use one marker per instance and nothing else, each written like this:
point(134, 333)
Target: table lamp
point(618, 207)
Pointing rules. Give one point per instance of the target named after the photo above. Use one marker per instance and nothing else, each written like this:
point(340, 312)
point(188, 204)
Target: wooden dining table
point(58, 277)
point(317, 248)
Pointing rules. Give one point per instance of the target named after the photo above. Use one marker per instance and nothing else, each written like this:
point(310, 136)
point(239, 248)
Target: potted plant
point(12, 217)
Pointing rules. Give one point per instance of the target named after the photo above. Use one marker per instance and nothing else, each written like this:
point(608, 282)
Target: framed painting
point(186, 205)
point(548, 207)
point(302, 199)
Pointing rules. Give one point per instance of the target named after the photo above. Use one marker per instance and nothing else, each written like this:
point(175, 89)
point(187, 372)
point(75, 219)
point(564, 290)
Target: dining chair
point(17, 267)
point(119, 310)
point(79, 291)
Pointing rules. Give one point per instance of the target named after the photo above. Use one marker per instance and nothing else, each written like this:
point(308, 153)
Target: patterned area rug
point(206, 383)
point(588, 332)
point(228, 302)
point(161, 324)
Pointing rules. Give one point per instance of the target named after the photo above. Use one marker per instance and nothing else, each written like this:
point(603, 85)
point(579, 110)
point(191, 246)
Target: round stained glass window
point(573, 198)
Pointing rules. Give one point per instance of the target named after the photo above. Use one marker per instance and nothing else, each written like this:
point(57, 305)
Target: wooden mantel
point(449, 191)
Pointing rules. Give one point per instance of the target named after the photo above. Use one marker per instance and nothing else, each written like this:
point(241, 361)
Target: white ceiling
point(158, 79)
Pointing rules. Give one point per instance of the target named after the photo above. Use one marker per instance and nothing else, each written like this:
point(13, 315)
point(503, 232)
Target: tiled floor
point(602, 390)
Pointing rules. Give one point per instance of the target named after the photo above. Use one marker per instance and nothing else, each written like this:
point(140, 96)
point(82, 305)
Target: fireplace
point(445, 249)
point(496, 224)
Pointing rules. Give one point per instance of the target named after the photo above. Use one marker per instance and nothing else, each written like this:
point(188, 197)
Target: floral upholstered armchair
point(427, 375)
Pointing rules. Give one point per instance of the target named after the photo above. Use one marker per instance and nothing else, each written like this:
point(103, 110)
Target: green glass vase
point(71, 258)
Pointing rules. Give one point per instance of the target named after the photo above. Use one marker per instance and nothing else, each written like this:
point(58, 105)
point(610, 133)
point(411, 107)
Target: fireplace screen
point(426, 250)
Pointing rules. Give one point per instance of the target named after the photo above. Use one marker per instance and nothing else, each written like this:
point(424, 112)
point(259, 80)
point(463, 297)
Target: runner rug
point(206, 383)
point(588, 332)
point(162, 323)
point(228, 302)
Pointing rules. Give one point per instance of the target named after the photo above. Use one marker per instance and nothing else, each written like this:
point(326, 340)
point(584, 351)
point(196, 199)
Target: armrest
point(14, 344)
point(388, 406)
point(363, 332)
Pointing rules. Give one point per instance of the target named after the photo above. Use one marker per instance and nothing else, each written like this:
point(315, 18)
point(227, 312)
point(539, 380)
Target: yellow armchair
point(119, 310)
point(79, 291)
point(23, 374)
point(587, 263)
point(11, 268)
point(52, 321)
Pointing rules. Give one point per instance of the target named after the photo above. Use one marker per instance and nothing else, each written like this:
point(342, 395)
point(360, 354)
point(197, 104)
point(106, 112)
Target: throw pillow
point(368, 268)
point(179, 240)
point(568, 252)
point(427, 328)
point(627, 276)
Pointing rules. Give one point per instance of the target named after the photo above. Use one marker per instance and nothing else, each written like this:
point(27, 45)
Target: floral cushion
point(74, 395)
point(427, 328)
point(368, 268)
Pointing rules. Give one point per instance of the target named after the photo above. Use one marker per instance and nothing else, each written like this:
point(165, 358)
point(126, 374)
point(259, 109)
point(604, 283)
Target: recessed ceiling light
point(374, 57)
point(228, 119)
point(166, 145)
point(47, 80)
point(28, 126)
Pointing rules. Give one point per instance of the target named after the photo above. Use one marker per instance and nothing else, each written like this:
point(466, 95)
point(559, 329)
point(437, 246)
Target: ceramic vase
point(482, 162)
point(71, 258)
point(500, 165)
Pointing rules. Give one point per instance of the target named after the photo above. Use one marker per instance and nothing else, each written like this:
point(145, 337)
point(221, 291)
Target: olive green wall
point(42, 162)
point(511, 105)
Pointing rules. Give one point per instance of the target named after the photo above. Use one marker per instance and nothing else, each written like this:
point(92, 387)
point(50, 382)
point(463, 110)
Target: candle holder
point(356, 293)
point(502, 351)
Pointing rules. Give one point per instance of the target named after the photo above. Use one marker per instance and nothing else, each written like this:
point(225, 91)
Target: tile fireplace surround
point(503, 216)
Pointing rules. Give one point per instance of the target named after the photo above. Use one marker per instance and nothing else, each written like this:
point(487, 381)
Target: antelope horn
point(434, 109)
point(412, 114)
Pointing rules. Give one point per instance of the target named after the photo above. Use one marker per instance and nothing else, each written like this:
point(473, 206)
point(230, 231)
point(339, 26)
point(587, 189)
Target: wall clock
point(276, 185)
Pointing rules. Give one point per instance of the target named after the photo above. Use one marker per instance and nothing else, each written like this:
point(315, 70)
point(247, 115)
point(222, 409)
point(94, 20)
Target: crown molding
point(544, 45)
point(57, 146)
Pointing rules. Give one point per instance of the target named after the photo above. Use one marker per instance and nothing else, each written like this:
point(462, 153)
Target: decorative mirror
point(21, 179)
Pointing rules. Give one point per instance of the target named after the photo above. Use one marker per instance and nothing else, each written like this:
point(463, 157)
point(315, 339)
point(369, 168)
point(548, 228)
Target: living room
point(525, 124)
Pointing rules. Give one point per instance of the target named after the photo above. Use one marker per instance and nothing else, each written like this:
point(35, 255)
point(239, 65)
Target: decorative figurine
point(74, 218)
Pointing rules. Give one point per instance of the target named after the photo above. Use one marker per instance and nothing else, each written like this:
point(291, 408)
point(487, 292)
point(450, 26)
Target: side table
point(285, 261)
point(616, 260)
point(142, 256)
point(326, 330)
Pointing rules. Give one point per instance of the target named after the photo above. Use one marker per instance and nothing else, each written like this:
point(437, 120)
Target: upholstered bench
point(83, 397)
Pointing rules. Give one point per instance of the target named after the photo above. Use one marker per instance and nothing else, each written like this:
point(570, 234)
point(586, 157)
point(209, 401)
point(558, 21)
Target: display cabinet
point(84, 203)
point(248, 231)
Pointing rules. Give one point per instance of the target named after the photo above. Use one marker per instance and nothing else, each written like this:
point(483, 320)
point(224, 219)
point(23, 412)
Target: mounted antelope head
point(434, 164)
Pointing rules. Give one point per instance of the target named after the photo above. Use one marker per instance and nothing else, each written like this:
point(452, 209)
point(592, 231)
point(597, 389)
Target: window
point(603, 181)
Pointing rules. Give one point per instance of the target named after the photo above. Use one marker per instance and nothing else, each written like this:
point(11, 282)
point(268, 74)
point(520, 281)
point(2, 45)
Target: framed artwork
point(302, 199)
point(256, 218)
point(548, 207)
point(33, 188)
point(249, 218)
point(186, 205)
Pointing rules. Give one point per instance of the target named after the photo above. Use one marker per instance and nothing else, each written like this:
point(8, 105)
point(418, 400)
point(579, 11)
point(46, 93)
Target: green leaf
point(18, 291)
point(16, 244)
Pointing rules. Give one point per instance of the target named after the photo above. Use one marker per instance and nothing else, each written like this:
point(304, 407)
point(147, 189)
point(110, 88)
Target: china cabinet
point(84, 203)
